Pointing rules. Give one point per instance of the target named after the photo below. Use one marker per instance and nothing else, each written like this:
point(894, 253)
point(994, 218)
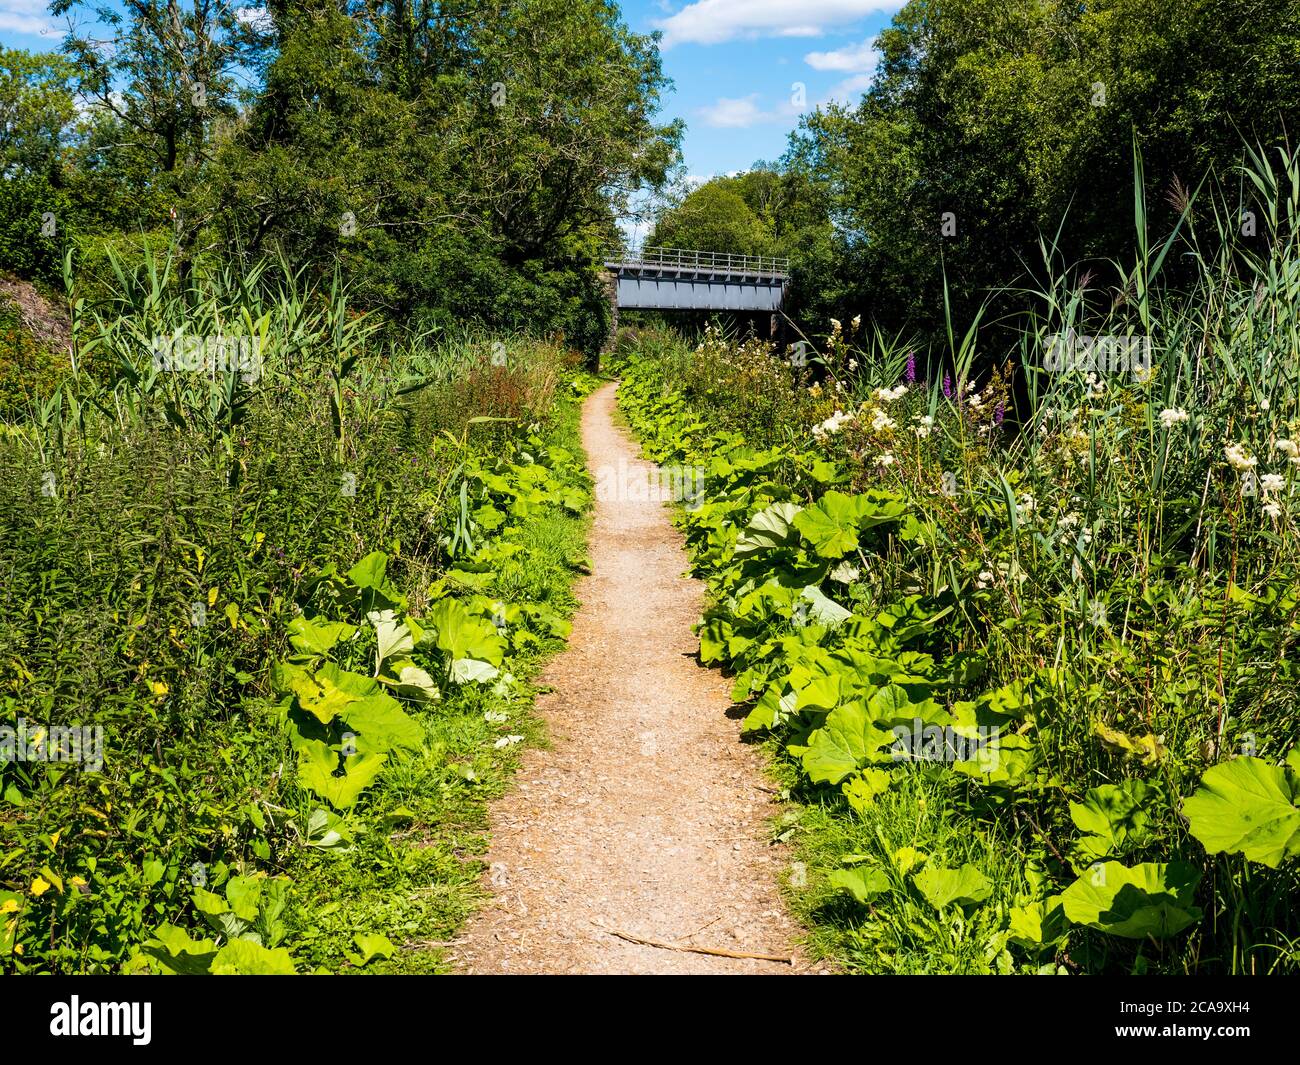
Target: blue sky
point(737, 68)
point(743, 70)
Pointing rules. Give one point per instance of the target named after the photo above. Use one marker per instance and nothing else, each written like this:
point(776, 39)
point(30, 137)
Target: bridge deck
point(678, 279)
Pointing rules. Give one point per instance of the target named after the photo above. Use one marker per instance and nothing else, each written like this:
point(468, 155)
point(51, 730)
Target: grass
point(415, 873)
point(1119, 554)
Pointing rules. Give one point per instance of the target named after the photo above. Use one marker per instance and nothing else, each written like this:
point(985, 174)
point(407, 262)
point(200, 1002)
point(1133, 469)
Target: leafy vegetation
point(299, 659)
point(1035, 690)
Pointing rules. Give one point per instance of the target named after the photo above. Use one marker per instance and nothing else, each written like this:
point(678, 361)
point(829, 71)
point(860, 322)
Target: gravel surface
point(649, 815)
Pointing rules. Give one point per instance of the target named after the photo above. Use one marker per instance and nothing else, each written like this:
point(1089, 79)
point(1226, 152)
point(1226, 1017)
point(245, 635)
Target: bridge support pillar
point(610, 280)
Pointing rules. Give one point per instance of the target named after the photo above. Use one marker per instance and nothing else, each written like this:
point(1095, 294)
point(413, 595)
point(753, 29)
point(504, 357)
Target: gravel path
point(648, 815)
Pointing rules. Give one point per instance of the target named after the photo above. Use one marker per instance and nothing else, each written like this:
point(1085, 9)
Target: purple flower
point(999, 412)
point(947, 386)
point(910, 376)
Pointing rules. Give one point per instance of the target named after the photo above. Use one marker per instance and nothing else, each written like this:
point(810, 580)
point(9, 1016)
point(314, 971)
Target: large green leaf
point(382, 725)
point(768, 529)
point(1110, 816)
point(241, 957)
point(847, 740)
point(178, 953)
point(822, 609)
point(462, 636)
point(316, 636)
point(943, 887)
point(1148, 900)
point(831, 524)
point(863, 884)
point(1247, 806)
point(320, 695)
point(370, 571)
point(391, 635)
point(318, 763)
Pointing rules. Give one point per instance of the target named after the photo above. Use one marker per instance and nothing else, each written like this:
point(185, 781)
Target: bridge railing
point(706, 261)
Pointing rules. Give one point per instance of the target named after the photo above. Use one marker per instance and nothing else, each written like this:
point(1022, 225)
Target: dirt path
point(648, 815)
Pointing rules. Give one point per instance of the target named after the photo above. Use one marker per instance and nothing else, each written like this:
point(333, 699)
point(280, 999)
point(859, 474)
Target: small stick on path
point(717, 952)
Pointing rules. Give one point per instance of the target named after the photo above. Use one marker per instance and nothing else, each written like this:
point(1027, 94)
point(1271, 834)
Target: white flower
point(885, 460)
point(984, 579)
point(1290, 449)
point(857, 320)
point(507, 741)
point(1263, 403)
point(887, 395)
point(1272, 482)
point(1237, 457)
point(833, 424)
point(1273, 510)
point(1027, 503)
point(853, 364)
point(1171, 416)
point(1071, 519)
point(835, 325)
point(881, 421)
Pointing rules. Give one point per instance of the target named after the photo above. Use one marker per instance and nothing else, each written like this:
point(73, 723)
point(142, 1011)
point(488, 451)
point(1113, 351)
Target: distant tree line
point(462, 160)
point(992, 124)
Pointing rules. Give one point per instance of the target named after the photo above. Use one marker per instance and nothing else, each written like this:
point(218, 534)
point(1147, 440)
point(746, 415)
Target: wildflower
point(886, 395)
point(1237, 457)
point(1273, 509)
point(947, 386)
point(999, 412)
point(984, 579)
point(857, 321)
point(910, 374)
point(1290, 449)
point(885, 460)
point(1171, 416)
point(1028, 503)
point(881, 421)
point(1263, 404)
point(1272, 482)
point(833, 424)
point(836, 327)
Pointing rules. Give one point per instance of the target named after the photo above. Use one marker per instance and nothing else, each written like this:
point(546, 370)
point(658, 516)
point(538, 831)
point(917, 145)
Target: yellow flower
point(9, 906)
point(40, 886)
point(158, 687)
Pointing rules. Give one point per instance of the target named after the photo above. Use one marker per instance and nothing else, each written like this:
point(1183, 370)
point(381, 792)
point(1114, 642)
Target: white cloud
point(850, 89)
point(716, 21)
point(738, 113)
point(29, 17)
point(852, 58)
